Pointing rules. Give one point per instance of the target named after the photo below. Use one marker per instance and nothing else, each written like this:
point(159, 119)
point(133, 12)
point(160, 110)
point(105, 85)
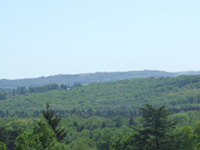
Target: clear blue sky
point(48, 37)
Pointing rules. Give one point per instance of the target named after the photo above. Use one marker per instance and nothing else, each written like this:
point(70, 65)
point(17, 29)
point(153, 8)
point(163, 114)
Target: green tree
point(41, 138)
point(188, 138)
point(196, 135)
point(131, 122)
point(125, 143)
point(107, 137)
point(181, 117)
point(83, 144)
point(2, 146)
point(157, 130)
point(8, 137)
point(117, 145)
point(118, 120)
point(105, 141)
point(2, 96)
point(53, 120)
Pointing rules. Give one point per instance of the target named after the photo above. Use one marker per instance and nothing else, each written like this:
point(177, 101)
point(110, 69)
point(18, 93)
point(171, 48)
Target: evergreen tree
point(157, 130)
point(53, 120)
point(131, 122)
point(90, 135)
point(2, 96)
point(77, 126)
point(82, 127)
point(103, 125)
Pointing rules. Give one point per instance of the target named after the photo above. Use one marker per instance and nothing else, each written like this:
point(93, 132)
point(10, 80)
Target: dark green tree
point(157, 130)
point(82, 127)
point(103, 125)
point(2, 96)
point(131, 122)
point(54, 121)
point(8, 137)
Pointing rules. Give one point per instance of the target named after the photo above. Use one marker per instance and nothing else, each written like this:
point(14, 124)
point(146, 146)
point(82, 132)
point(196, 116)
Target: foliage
point(125, 143)
point(42, 137)
point(53, 121)
point(2, 146)
point(156, 132)
point(2, 96)
point(83, 144)
point(182, 118)
point(8, 137)
point(187, 137)
point(120, 138)
point(191, 138)
point(107, 137)
point(110, 99)
point(20, 123)
point(97, 116)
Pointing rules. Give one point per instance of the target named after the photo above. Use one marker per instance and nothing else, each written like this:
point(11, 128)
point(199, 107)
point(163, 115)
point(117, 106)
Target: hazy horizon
point(43, 38)
point(97, 72)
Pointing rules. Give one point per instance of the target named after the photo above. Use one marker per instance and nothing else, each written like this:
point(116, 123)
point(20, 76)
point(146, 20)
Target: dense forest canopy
point(99, 115)
point(178, 93)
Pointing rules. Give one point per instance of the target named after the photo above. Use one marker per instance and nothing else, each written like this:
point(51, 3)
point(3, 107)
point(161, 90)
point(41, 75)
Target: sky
point(48, 37)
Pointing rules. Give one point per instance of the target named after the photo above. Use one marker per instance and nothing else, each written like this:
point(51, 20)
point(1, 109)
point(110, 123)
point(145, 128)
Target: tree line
point(40, 89)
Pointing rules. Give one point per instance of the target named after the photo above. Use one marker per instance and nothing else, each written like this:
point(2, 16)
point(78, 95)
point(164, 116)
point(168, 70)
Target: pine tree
point(157, 130)
point(53, 120)
point(131, 122)
point(103, 125)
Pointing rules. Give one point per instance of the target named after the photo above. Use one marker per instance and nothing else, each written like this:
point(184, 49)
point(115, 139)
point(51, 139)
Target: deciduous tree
point(2, 146)
point(41, 138)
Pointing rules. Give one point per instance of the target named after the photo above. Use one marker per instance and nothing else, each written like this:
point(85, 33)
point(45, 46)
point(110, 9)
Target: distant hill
point(180, 93)
point(89, 78)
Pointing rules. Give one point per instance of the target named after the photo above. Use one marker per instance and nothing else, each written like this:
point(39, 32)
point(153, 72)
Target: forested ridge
point(99, 115)
point(87, 78)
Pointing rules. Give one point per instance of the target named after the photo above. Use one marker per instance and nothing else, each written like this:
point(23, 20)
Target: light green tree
point(41, 138)
point(181, 117)
point(188, 138)
point(196, 136)
point(105, 141)
point(126, 143)
point(2, 146)
point(83, 144)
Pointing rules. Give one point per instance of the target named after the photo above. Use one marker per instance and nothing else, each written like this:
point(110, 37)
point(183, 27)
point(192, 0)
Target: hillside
point(99, 112)
point(178, 93)
point(88, 78)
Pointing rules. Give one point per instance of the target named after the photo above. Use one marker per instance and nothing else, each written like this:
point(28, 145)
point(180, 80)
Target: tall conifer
point(53, 120)
point(157, 130)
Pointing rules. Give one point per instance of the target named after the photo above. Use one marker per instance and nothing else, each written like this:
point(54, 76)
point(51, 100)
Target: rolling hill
point(89, 78)
point(178, 93)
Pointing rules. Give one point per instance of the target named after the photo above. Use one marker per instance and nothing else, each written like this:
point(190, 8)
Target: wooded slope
point(178, 93)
